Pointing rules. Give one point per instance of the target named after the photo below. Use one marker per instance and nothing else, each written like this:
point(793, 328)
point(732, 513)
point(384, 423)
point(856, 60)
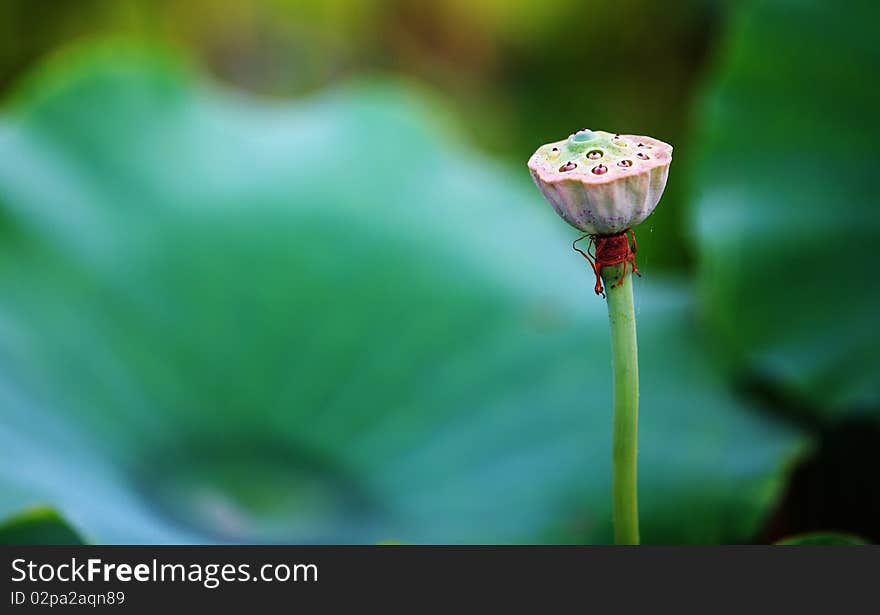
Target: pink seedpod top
point(600, 182)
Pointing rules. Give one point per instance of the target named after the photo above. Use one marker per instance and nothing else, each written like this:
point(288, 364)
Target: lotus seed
point(625, 163)
point(643, 156)
point(600, 169)
point(568, 166)
point(594, 155)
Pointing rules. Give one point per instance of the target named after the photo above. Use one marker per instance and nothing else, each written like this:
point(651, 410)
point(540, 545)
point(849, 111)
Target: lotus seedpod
point(602, 183)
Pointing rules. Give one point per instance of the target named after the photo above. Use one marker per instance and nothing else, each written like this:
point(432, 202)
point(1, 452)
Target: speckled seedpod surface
point(600, 182)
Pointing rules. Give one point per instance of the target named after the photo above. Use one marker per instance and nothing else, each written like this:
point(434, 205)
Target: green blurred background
point(275, 271)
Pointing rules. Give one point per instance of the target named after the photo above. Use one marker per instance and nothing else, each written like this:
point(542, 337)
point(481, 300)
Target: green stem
point(624, 353)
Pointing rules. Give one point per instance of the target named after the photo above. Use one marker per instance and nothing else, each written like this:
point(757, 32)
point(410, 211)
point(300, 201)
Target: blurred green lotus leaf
point(787, 203)
point(823, 538)
point(38, 525)
point(227, 319)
